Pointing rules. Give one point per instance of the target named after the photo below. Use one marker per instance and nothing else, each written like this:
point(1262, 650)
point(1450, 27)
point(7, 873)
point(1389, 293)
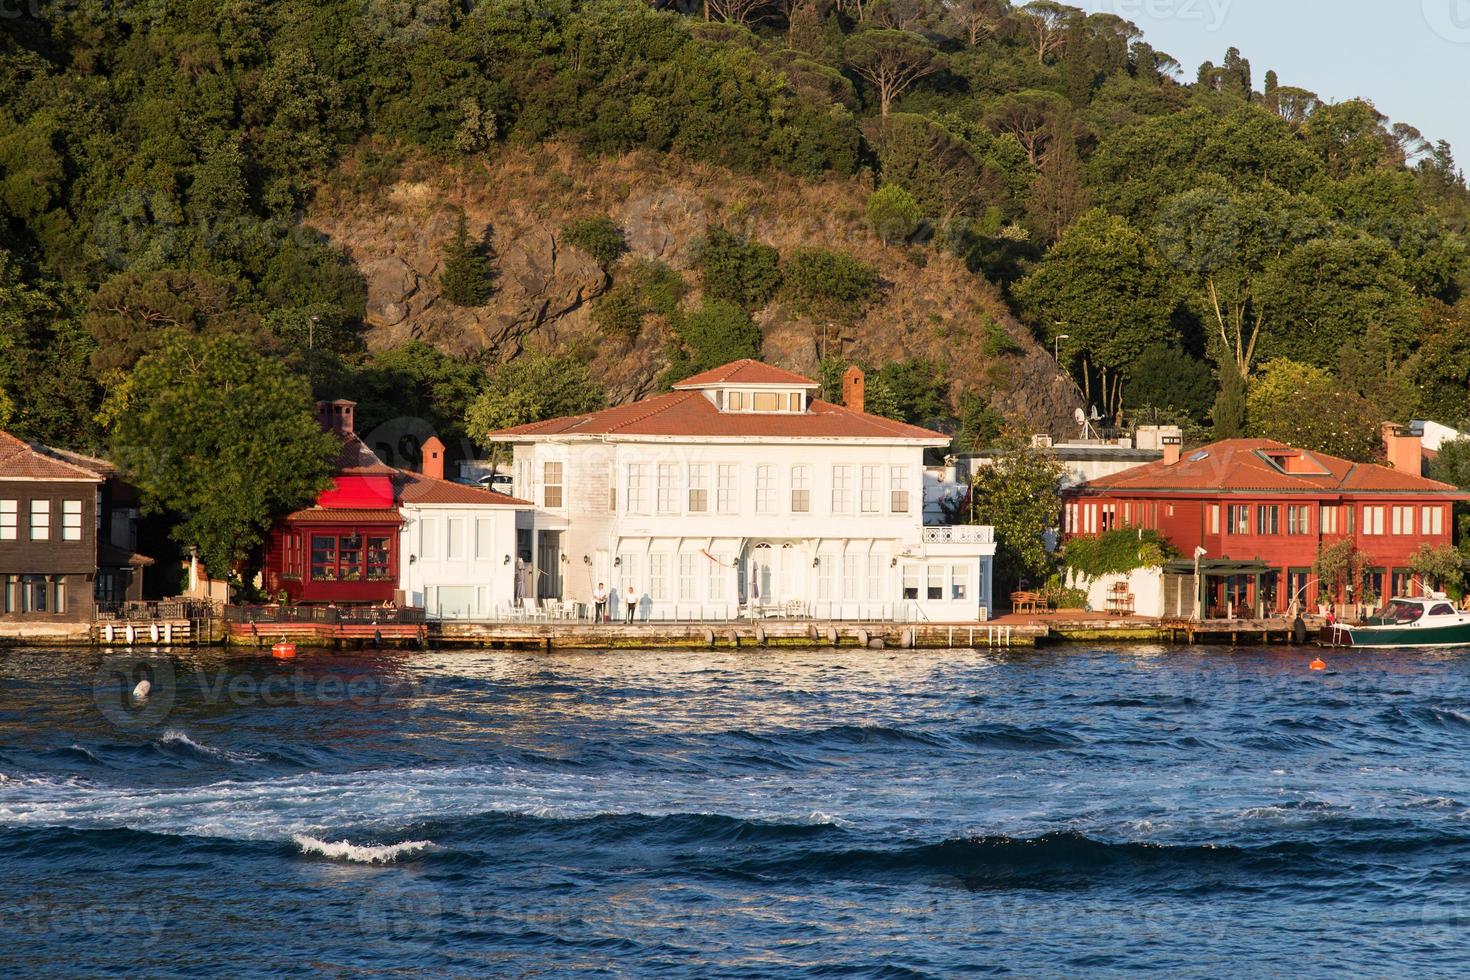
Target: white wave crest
point(344, 850)
point(175, 737)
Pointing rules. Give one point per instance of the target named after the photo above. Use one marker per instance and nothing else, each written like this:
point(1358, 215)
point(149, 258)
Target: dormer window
point(748, 386)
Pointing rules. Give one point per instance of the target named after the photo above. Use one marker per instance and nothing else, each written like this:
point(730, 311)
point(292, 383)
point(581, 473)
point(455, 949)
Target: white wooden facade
point(710, 525)
point(458, 560)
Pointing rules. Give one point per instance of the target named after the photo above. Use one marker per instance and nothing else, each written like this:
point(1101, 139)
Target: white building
point(739, 493)
point(457, 543)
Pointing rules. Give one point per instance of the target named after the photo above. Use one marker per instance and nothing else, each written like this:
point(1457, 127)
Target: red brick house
point(343, 549)
point(1259, 511)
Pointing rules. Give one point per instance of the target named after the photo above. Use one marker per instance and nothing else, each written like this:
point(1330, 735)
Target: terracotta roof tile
point(1246, 465)
point(20, 460)
point(745, 372)
point(689, 413)
point(415, 488)
point(356, 459)
point(344, 515)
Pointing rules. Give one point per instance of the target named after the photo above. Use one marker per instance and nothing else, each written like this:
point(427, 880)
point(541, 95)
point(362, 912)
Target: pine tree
point(465, 280)
point(1229, 413)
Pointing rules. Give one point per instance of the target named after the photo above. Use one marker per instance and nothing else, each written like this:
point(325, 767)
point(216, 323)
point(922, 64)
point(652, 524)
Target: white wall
point(458, 567)
point(687, 563)
point(1146, 585)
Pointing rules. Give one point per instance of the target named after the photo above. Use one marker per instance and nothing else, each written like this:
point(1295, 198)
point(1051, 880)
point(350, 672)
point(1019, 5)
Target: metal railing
point(370, 615)
point(959, 534)
point(179, 608)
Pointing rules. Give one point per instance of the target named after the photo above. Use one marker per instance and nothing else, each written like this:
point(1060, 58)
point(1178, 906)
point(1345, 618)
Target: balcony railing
point(179, 608)
point(960, 534)
point(374, 615)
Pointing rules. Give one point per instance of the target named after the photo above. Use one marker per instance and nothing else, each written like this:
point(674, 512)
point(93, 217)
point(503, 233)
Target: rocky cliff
point(931, 306)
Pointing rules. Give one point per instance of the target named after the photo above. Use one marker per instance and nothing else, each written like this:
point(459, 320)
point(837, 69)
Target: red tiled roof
point(344, 515)
point(415, 488)
point(689, 413)
point(20, 460)
point(745, 372)
point(1245, 465)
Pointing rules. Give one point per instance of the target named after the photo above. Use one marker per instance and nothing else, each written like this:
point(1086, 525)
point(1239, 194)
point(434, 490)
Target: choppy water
point(831, 813)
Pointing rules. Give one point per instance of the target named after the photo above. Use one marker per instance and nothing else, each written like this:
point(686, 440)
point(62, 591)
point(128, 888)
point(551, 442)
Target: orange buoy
point(1318, 664)
point(283, 650)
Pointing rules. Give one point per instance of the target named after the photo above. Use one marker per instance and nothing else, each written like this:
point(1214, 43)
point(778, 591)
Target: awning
point(1217, 566)
point(109, 556)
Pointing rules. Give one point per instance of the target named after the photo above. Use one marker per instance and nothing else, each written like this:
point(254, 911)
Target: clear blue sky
point(1411, 58)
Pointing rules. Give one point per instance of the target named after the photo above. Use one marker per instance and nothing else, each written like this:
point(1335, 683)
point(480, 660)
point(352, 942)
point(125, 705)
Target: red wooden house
point(344, 549)
point(1255, 514)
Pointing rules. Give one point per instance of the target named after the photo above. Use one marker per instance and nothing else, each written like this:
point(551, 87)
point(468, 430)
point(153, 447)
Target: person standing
point(630, 602)
point(599, 600)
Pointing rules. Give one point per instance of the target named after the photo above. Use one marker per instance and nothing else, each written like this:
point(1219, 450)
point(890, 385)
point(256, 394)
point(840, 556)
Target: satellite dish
point(1095, 417)
point(1079, 415)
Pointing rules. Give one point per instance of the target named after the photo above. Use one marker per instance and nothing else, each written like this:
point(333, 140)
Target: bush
point(894, 214)
point(598, 236)
point(646, 288)
point(1116, 552)
point(736, 270)
point(715, 334)
point(825, 284)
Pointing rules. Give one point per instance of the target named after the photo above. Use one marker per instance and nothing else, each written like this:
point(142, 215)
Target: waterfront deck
point(737, 634)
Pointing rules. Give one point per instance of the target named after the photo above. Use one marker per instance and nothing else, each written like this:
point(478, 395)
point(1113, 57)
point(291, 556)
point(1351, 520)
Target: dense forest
point(1211, 247)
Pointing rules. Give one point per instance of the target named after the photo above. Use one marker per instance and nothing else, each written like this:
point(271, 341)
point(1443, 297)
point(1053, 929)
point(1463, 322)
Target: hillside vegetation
point(396, 199)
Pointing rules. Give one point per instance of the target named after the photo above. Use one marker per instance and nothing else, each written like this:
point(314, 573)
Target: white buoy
point(140, 693)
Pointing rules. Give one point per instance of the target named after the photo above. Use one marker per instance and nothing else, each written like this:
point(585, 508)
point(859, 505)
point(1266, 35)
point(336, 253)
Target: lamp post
point(1056, 345)
point(1199, 586)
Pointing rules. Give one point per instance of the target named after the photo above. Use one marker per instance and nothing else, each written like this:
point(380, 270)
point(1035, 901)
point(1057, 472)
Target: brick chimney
point(433, 458)
point(1172, 447)
point(336, 416)
point(1402, 450)
point(853, 387)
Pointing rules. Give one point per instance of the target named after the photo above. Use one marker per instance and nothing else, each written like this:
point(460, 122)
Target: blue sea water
point(837, 813)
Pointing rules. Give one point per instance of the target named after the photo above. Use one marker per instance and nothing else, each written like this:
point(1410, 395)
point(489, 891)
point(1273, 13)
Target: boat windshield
point(1399, 611)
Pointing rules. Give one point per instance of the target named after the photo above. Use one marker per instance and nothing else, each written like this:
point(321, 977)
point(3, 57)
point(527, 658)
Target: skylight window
point(1199, 456)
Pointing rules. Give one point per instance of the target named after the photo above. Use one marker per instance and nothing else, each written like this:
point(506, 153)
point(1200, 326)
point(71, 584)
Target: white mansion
point(739, 493)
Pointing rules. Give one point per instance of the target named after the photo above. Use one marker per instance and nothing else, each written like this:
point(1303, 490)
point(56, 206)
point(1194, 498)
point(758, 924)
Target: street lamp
point(1199, 587)
point(311, 333)
point(1056, 346)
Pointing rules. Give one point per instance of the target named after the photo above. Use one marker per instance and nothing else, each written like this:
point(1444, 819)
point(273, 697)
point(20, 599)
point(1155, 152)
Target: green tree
point(894, 214)
point(532, 388)
point(1441, 567)
point(466, 277)
point(597, 235)
point(892, 61)
point(736, 270)
point(222, 438)
point(1305, 407)
point(717, 333)
point(1452, 464)
point(643, 288)
point(1103, 285)
point(1228, 414)
point(1167, 377)
point(1018, 494)
point(828, 285)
